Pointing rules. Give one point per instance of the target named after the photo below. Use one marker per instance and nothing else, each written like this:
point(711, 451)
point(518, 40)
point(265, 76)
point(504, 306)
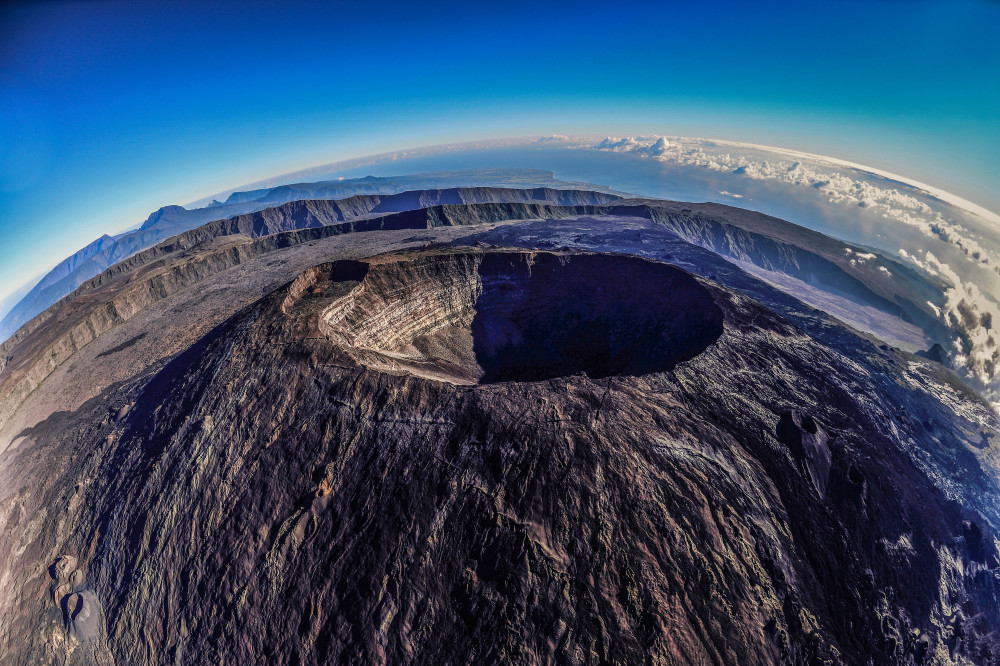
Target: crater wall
point(523, 316)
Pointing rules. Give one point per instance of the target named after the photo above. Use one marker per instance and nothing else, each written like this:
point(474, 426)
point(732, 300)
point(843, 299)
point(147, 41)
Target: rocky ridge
point(169, 221)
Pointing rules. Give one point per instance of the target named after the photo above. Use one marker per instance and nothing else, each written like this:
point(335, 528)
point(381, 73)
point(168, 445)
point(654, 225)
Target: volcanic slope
point(415, 448)
point(128, 288)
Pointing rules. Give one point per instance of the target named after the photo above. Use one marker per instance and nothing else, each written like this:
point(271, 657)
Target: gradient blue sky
point(109, 110)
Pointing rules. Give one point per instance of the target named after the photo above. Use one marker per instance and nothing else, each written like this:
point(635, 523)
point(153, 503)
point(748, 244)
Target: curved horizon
point(10, 293)
point(101, 125)
point(932, 190)
point(536, 332)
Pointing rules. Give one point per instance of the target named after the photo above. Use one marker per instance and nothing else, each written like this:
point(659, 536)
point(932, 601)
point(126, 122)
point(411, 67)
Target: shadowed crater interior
point(482, 317)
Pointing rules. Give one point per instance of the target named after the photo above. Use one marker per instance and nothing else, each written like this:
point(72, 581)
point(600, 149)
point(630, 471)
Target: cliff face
point(507, 456)
point(336, 201)
point(146, 277)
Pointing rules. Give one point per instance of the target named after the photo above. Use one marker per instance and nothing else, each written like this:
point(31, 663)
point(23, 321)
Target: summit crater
point(480, 317)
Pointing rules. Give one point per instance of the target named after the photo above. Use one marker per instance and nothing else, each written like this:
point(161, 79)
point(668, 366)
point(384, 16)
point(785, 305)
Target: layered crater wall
point(485, 317)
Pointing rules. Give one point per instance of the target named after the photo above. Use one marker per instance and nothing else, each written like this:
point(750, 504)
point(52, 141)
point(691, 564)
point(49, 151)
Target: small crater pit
point(496, 316)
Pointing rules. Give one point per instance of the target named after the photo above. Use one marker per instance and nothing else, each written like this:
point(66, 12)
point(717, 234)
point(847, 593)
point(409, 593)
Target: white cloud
point(973, 317)
point(825, 176)
point(859, 258)
point(966, 310)
point(660, 147)
point(618, 145)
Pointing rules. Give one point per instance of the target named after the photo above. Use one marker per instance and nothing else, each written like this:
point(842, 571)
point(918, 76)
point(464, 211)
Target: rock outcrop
point(46, 341)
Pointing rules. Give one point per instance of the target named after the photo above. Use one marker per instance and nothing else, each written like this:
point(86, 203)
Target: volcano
point(513, 431)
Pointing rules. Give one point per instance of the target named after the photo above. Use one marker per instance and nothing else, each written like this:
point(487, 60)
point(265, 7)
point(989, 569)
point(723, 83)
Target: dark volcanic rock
point(810, 445)
point(135, 284)
point(362, 467)
point(936, 353)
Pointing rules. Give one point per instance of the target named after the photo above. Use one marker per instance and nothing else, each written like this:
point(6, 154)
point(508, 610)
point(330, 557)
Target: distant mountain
point(58, 282)
point(71, 263)
point(172, 220)
point(8, 302)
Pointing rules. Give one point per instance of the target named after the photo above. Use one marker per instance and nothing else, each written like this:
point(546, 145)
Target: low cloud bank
point(967, 309)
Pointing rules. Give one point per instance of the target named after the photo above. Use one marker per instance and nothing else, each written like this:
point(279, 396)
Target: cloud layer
point(968, 310)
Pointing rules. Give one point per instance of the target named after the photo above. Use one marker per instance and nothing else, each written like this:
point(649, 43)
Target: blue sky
point(110, 110)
